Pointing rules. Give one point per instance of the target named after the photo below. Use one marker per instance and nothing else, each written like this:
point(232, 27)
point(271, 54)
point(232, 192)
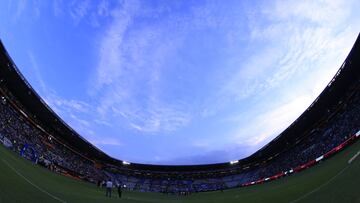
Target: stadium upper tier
point(18, 94)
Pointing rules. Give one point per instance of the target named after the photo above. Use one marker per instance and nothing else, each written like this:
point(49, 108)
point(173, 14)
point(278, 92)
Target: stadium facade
point(29, 127)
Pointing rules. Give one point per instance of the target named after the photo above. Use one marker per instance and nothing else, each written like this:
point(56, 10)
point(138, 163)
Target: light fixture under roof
point(234, 162)
point(125, 163)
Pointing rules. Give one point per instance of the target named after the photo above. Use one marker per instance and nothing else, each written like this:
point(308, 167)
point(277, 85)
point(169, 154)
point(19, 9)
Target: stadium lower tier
point(24, 135)
point(335, 180)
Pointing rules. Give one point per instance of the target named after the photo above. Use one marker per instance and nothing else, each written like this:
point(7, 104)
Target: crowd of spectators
point(41, 148)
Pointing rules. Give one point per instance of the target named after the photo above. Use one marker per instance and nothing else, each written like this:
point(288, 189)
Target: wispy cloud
point(293, 41)
point(102, 122)
point(267, 125)
point(79, 9)
point(37, 71)
point(103, 8)
point(129, 74)
point(36, 8)
point(51, 97)
point(21, 6)
point(57, 7)
point(159, 119)
point(20, 9)
point(111, 59)
point(105, 141)
point(329, 13)
point(73, 111)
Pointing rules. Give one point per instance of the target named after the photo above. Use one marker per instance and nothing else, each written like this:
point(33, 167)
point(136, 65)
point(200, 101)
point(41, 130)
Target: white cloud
point(36, 71)
point(24, 10)
point(21, 6)
point(272, 122)
point(111, 57)
point(328, 13)
point(57, 8)
point(83, 122)
point(102, 122)
point(73, 111)
point(291, 44)
point(166, 119)
point(66, 105)
point(129, 74)
point(103, 8)
point(36, 8)
point(102, 141)
point(79, 9)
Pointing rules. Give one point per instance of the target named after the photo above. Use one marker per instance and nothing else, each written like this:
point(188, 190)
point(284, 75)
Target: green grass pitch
point(334, 180)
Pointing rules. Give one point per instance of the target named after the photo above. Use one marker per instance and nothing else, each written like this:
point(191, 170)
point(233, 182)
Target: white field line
point(327, 182)
point(354, 157)
point(31, 183)
point(321, 186)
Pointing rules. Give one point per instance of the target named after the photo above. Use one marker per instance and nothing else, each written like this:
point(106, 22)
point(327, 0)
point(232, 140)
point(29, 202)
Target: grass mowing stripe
point(31, 183)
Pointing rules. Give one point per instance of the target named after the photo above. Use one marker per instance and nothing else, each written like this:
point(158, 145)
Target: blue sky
point(179, 82)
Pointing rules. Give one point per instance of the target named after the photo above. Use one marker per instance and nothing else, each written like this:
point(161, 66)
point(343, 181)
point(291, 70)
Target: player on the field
point(109, 186)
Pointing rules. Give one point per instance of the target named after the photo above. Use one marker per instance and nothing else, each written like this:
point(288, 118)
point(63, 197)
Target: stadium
point(328, 129)
point(44, 159)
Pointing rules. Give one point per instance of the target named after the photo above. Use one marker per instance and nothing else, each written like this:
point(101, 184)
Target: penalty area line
point(321, 186)
point(33, 184)
point(327, 182)
point(354, 157)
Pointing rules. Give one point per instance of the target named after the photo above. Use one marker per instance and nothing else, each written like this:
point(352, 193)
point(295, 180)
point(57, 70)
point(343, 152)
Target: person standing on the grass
point(109, 186)
point(119, 190)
